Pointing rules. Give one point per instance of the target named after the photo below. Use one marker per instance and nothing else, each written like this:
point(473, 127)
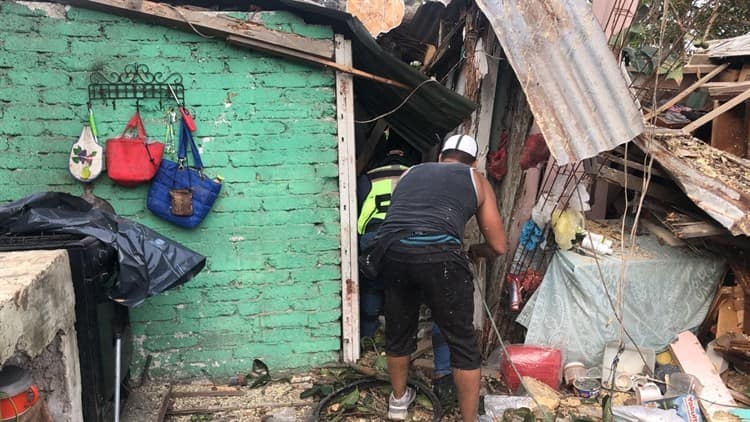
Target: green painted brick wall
point(271, 288)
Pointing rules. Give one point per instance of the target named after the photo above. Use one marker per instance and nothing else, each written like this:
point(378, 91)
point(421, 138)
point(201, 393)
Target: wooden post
point(348, 203)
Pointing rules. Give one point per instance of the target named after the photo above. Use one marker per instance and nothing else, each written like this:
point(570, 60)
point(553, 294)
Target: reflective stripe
point(378, 200)
point(430, 239)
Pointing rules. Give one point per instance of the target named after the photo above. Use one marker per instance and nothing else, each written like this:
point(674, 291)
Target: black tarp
point(149, 263)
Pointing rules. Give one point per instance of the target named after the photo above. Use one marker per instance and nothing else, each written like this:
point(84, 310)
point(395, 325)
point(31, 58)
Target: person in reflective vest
point(374, 190)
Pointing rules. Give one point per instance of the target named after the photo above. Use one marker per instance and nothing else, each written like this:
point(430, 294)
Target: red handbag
point(130, 159)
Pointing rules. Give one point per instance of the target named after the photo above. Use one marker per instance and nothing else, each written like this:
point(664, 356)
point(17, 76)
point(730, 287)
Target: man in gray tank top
point(425, 261)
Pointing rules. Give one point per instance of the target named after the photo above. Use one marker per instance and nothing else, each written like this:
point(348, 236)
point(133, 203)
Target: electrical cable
point(179, 12)
point(386, 114)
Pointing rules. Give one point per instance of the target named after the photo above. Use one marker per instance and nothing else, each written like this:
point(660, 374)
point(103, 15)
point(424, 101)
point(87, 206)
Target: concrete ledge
point(36, 300)
point(37, 326)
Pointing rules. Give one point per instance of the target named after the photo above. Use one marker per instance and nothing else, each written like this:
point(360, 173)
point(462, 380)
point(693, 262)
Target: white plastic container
point(630, 361)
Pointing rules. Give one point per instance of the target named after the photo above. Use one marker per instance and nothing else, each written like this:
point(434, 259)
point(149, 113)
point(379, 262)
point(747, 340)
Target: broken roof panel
point(730, 47)
point(570, 77)
point(716, 181)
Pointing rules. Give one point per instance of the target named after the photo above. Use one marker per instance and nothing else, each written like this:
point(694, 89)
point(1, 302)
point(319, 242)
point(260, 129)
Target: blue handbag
point(180, 193)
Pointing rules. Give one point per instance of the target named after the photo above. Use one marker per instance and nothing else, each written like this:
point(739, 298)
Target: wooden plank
point(717, 111)
point(209, 24)
point(218, 393)
point(348, 202)
point(365, 153)
point(696, 229)
point(715, 396)
point(663, 234)
point(636, 183)
point(290, 53)
point(724, 89)
point(698, 68)
point(633, 165)
point(687, 91)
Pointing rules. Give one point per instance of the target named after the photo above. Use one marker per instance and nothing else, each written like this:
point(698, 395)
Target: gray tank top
point(432, 198)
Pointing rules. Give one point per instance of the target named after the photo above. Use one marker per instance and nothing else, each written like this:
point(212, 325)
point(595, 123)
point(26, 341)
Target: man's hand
point(481, 250)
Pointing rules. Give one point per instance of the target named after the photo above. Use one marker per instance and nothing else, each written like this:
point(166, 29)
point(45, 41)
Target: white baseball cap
point(463, 143)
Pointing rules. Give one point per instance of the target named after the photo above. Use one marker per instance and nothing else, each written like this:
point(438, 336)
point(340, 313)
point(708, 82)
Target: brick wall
point(271, 288)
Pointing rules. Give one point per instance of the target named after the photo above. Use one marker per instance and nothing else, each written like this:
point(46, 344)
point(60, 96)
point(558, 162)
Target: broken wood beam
point(208, 25)
point(689, 90)
point(717, 111)
point(632, 164)
point(166, 403)
point(662, 233)
point(635, 183)
point(219, 393)
point(696, 229)
point(293, 54)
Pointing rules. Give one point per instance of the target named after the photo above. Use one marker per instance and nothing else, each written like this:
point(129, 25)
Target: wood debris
point(714, 163)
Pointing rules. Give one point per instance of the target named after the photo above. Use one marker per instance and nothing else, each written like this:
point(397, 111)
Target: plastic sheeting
point(148, 262)
point(666, 291)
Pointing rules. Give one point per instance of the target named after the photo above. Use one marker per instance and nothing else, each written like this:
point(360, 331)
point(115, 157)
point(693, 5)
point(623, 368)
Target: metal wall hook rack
point(136, 82)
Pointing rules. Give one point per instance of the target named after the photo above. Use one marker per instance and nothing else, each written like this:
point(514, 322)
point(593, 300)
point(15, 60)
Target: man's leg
point(401, 322)
point(467, 383)
point(398, 369)
point(449, 291)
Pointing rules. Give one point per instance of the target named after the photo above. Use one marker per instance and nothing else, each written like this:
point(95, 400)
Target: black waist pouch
point(371, 257)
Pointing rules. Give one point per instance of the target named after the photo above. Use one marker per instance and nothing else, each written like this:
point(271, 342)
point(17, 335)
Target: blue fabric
point(531, 235)
point(172, 175)
point(441, 353)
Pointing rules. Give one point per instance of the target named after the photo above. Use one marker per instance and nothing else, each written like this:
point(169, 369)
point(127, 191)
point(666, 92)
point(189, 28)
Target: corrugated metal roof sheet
point(713, 179)
point(570, 77)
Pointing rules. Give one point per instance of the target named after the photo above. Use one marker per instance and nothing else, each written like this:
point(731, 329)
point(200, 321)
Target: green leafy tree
point(688, 24)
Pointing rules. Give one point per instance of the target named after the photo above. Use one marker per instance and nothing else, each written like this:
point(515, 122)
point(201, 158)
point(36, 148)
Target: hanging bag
point(181, 194)
point(131, 160)
point(86, 155)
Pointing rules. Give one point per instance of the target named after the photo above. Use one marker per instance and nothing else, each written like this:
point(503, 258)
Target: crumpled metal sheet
point(572, 82)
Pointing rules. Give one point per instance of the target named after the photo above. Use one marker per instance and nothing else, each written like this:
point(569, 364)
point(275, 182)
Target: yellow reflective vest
point(376, 203)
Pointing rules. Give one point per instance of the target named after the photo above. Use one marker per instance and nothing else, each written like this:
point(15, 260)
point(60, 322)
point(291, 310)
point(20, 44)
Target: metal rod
point(118, 351)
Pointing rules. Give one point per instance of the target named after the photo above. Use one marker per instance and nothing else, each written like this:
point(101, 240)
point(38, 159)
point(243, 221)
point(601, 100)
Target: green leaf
point(310, 392)
point(381, 364)
point(676, 74)
point(351, 399)
point(75, 160)
point(326, 390)
point(93, 154)
point(423, 401)
point(76, 150)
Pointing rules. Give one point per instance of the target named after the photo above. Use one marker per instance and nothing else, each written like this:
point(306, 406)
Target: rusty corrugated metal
point(713, 179)
point(570, 77)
